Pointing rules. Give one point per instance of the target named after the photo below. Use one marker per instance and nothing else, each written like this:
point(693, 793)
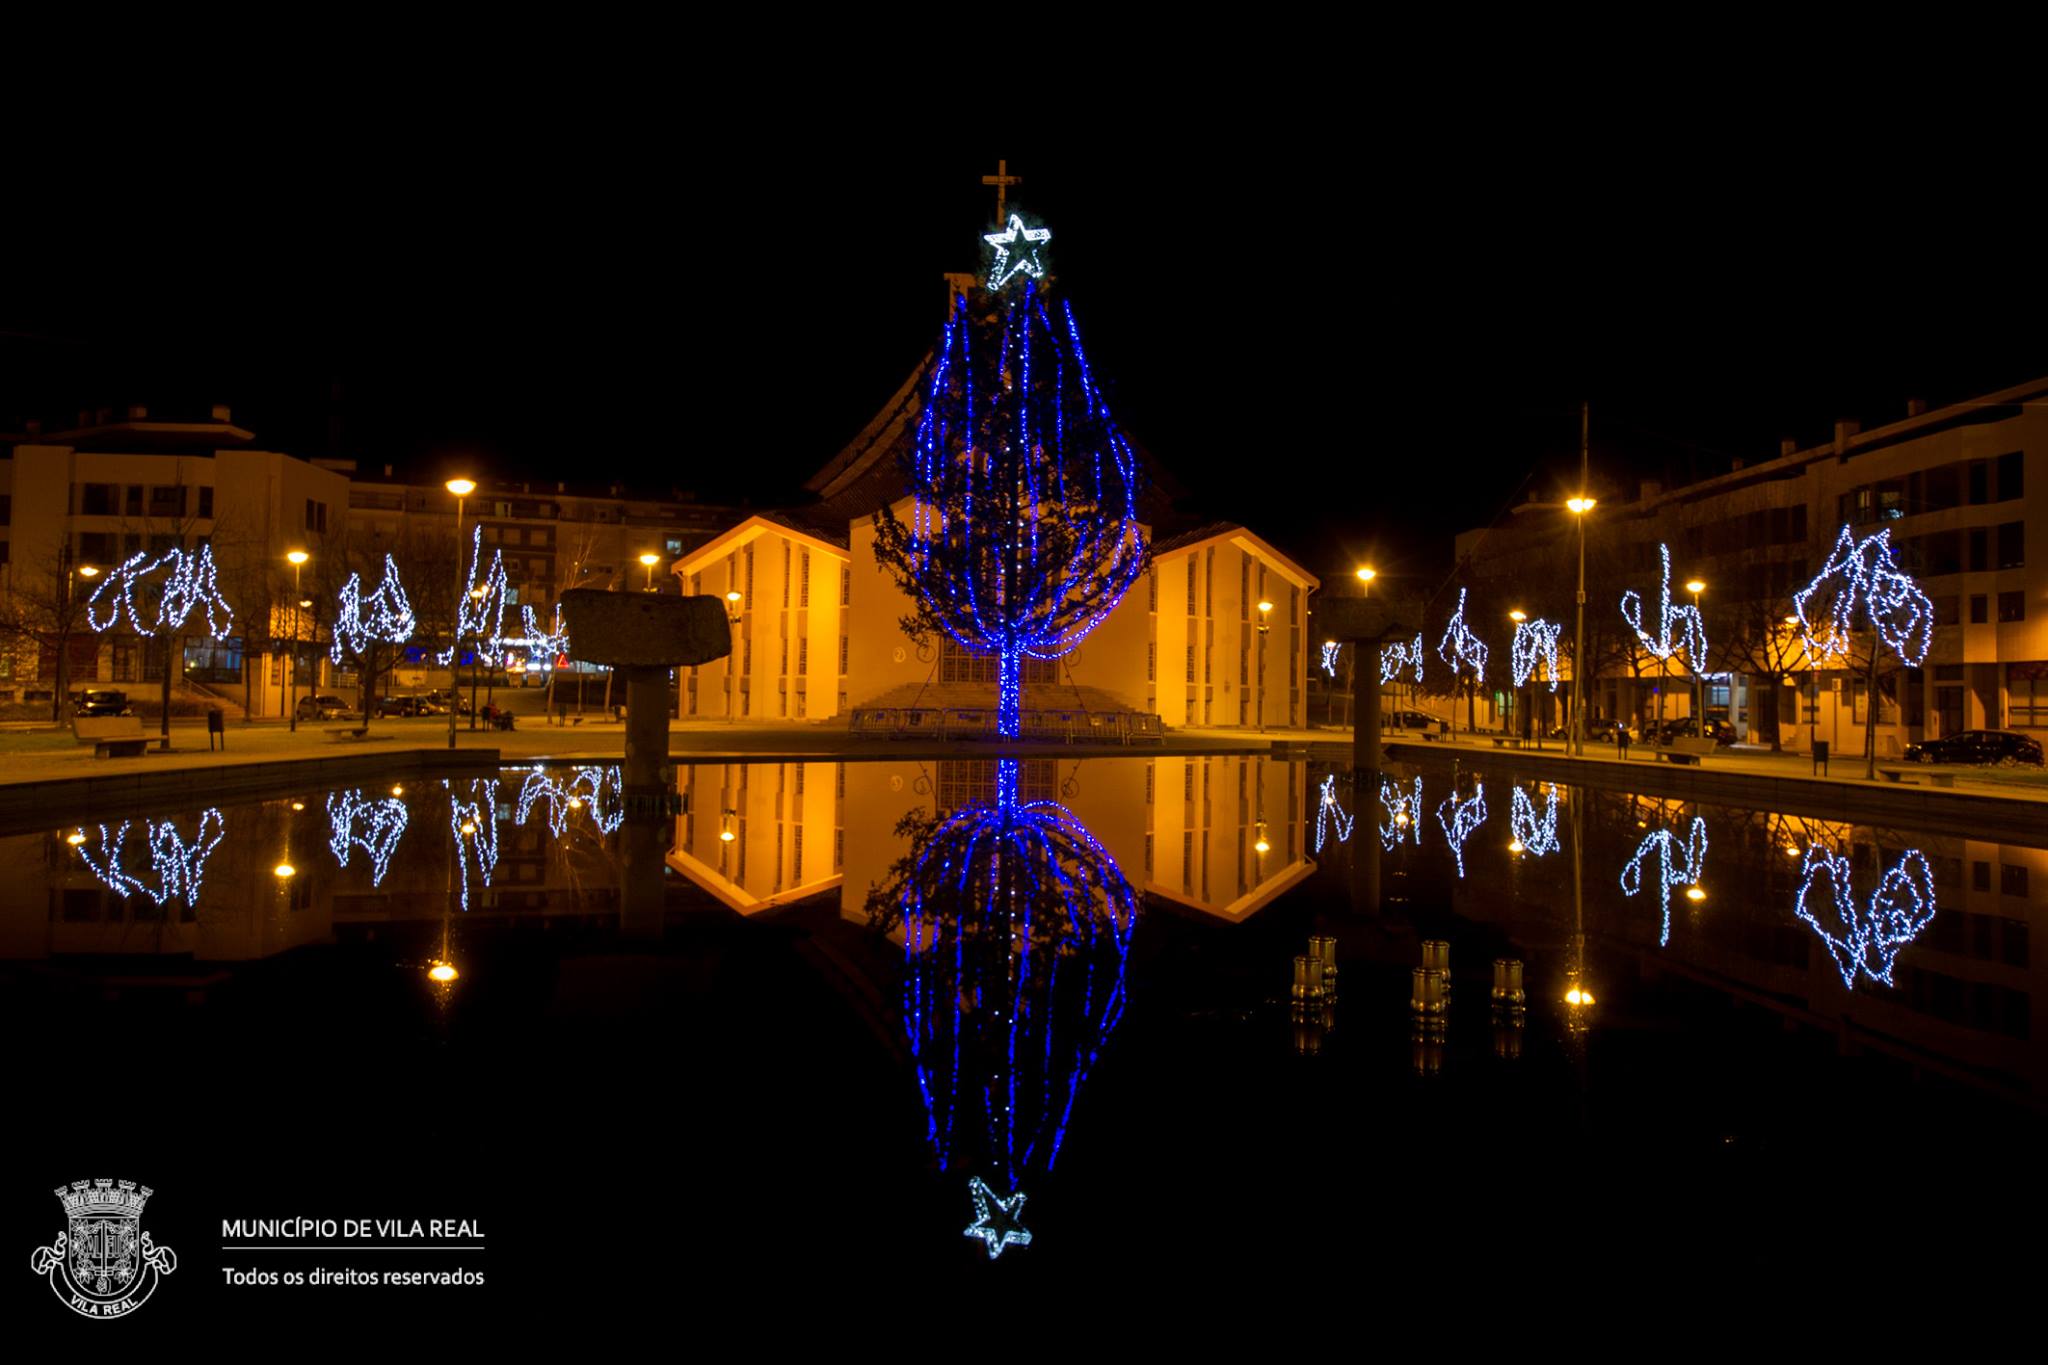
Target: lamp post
point(732, 614)
point(1365, 573)
point(1580, 507)
point(461, 488)
point(648, 561)
point(1699, 685)
point(1265, 619)
point(297, 559)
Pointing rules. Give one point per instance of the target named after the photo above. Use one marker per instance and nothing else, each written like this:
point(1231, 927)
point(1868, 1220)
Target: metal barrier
point(923, 722)
point(1142, 729)
point(970, 722)
point(1044, 725)
point(876, 720)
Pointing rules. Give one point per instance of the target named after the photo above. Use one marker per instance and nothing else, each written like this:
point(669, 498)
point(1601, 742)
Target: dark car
point(1977, 746)
point(1720, 731)
point(1605, 729)
point(1408, 720)
point(410, 706)
point(100, 701)
point(324, 706)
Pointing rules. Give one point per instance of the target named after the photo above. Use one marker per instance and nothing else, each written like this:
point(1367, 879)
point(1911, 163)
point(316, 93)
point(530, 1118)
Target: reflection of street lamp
point(732, 682)
point(461, 488)
point(648, 561)
point(1265, 619)
point(1699, 707)
point(297, 559)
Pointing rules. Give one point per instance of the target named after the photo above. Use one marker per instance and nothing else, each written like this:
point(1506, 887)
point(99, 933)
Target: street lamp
point(1696, 587)
point(461, 488)
point(648, 561)
point(297, 559)
point(1518, 616)
point(1366, 573)
point(1265, 618)
point(732, 682)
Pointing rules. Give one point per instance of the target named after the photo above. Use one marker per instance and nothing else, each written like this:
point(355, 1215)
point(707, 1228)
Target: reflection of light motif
point(190, 583)
point(1535, 642)
point(1403, 813)
point(480, 610)
point(177, 866)
point(1330, 649)
point(1670, 874)
point(1900, 908)
point(1016, 930)
point(1328, 812)
point(1397, 656)
point(1677, 627)
point(1863, 573)
point(1535, 836)
point(1460, 817)
point(372, 826)
point(390, 618)
point(585, 787)
point(998, 1222)
point(1459, 647)
point(480, 812)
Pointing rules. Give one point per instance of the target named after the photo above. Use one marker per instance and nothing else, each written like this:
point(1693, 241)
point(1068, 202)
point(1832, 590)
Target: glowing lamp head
point(1366, 573)
point(1265, 608)
point(298, 805)
point(88, 571)
point(398, 791)
point(1791, 620)
point(733, 598)
point(305, 603)
point(469, 826)
point(1515, 846)
point(1580, 505)
point(726, 836)
point(1578, 997)
point(1262, 846)
point(650, 559)
point(442, 972)
point(462, 488)
point(296, 557)
point(1695, 585)
point(1695, 894)
point(283, 871)
point(75, 837)
point(1518, 616)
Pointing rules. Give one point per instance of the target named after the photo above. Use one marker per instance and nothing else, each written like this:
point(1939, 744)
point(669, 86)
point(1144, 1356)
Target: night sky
point(1357, 347)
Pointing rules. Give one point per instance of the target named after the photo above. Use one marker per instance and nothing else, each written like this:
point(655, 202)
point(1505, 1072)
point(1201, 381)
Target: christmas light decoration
point(1016, 927)
point(178, 867)
point(373, 826)
point(1403, 813)
point(389, 616)
point(997, 1221)
point(1535, 642)
point(1460, 818)
point(1330, 649)
point(1459, 647)
point(480, 611)
point(549, 644)
point(1398, 656)
point(1023, 534)
point(476, 822)
point(1536, 835)
point(1864, 574)
point(1867, 941)
point(599, 790)
point(1016, 249)
point(1671, 870)
point(1329, 813)
point(1677, 627)
point(190, 581)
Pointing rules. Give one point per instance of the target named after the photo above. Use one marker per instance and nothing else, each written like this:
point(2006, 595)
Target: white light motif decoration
point(1398, 656)
point(997, 1221)
point(1461, 818)
point(599, 790)
point(1866, 940)
point(1677, 865)
point(1535, 642)
point(375, 827)
point(190, 581)
point(1403, 813)
point(1864, 574)
point(1459, 647)
point(480, 611)
point(1537, 835)
point(1678, 628)
point(1016, 252)
point(478, 844)
point(548, 644)
point(177, 867)
point(385, 615)
point(1329, 813)
point(1330, 649)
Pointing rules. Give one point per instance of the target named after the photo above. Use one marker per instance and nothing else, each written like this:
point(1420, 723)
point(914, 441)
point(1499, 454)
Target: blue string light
point(1329, 813)
point(373, 826)
point(1459, 647)
point(1460, 818)
point(480, 812)
point(1535, 642)
point(389, 615)
point(480, 610)
point(1671, 870)
point(997, 1221)
point(190, 582)
point(1398, 656)
point(178, 867)
point(1864, 574)
point(1536, 835)
point(1868, 942)
point(598, 790)
point(1403, 813)
point(1677, 627)
point(1330, 651)
point(1016, 248)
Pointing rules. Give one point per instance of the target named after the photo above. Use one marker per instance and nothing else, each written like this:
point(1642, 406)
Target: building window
point(1980, 608)
point(803, 656)
point(1948, 611)
point(1191, 663)
point(316, 515)
point(99, 500)
point(2027, 695)
point(1152, 590)
point(1192, 573)
point(846, 586)
point(2012, 879)
point(206, 500)
point(1980, 549)
point(1980, 482)
point(2011, 475)
point(1980, 876)
point(1151, 660)
point(804, 581)
point(2012, 545)
point(2012, 606)
point(842, 655)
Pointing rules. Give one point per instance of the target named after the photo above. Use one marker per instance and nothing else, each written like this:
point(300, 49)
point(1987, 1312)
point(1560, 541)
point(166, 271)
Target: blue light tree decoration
point(1017, 927)
point(1861, 577)
point(1461, 649)
point(1679, 863)
point(480, 610)
point(384, 617)
point(1678, 627)
point(598, 790)
point(1402, 655)
point(1535, 643)
point(1023, 531)
point(189, 583)
point(473, 831)
point(1866, 941)
point(1331, 650)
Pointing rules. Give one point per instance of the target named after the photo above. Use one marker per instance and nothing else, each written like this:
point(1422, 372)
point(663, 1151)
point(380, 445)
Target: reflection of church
point(816, 630)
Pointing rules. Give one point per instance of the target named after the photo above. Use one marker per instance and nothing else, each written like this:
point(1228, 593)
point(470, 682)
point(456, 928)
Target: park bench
point(1684, 750)
point(1934, 779)
point(341, 732)
point(1506, 741)
point(111, 736)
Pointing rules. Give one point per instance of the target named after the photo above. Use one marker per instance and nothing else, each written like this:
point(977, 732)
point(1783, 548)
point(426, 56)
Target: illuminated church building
point(817, 631)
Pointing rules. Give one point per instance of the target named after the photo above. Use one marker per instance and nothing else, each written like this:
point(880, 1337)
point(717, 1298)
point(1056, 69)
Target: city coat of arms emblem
point(103, 1265)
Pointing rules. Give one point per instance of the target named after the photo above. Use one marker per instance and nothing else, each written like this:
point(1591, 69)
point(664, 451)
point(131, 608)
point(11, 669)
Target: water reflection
point(473, 826)
point(1533, 834)
point(178, 866)
point(1403, 816)
point(1859, 939)
point(1679, 863)
point(1461, 816)
point(375, 827)
point(1330, 814)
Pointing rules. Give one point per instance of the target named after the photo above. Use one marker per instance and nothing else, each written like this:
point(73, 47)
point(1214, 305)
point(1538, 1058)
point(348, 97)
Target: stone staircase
point(1037, 696)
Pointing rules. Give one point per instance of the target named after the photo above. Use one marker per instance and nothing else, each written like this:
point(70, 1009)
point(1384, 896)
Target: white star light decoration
point(997, 1221)
point(1016, 250)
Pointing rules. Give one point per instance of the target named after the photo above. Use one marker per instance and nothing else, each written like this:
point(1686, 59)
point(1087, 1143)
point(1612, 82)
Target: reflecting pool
point(1242, 1016)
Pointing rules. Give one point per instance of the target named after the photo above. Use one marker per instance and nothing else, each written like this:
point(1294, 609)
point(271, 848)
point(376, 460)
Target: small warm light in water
point(1695, 894)
point(443, 972)
point(298, 805)
point(1515, 846)
point(75, 837)
point(398, 791)
point(725, 836)
point(575, 803)
point(469, 826)
point(1575, 996)
point(1791, 850)
point(285, 870)
point(1402, 818)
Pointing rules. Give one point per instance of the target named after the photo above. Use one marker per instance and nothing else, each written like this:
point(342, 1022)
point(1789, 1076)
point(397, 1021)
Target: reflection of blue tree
point(1461, 817)
point(1678, 864)
point(599, 790)
point(1330, 812)
point(177, 866)
point(1536, 834)
point(1403, 813)
point(373, 826)
point(473, 826)
point(1859, 939)
point(1016, 928)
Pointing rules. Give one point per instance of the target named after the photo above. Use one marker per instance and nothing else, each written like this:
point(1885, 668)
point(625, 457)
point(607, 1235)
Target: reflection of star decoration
point(1012, 257)
point(996, 1220)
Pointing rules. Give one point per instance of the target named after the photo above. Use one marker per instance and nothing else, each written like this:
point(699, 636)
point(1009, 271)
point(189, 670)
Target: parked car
point(415, 704)
point(1407, 720)
point(1977, 746)
point(1688, 727)
point(1606, 729)
point(324, 706)
point(100, 701)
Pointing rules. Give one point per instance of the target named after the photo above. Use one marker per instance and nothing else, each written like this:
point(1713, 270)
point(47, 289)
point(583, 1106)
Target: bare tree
point(43, 605)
